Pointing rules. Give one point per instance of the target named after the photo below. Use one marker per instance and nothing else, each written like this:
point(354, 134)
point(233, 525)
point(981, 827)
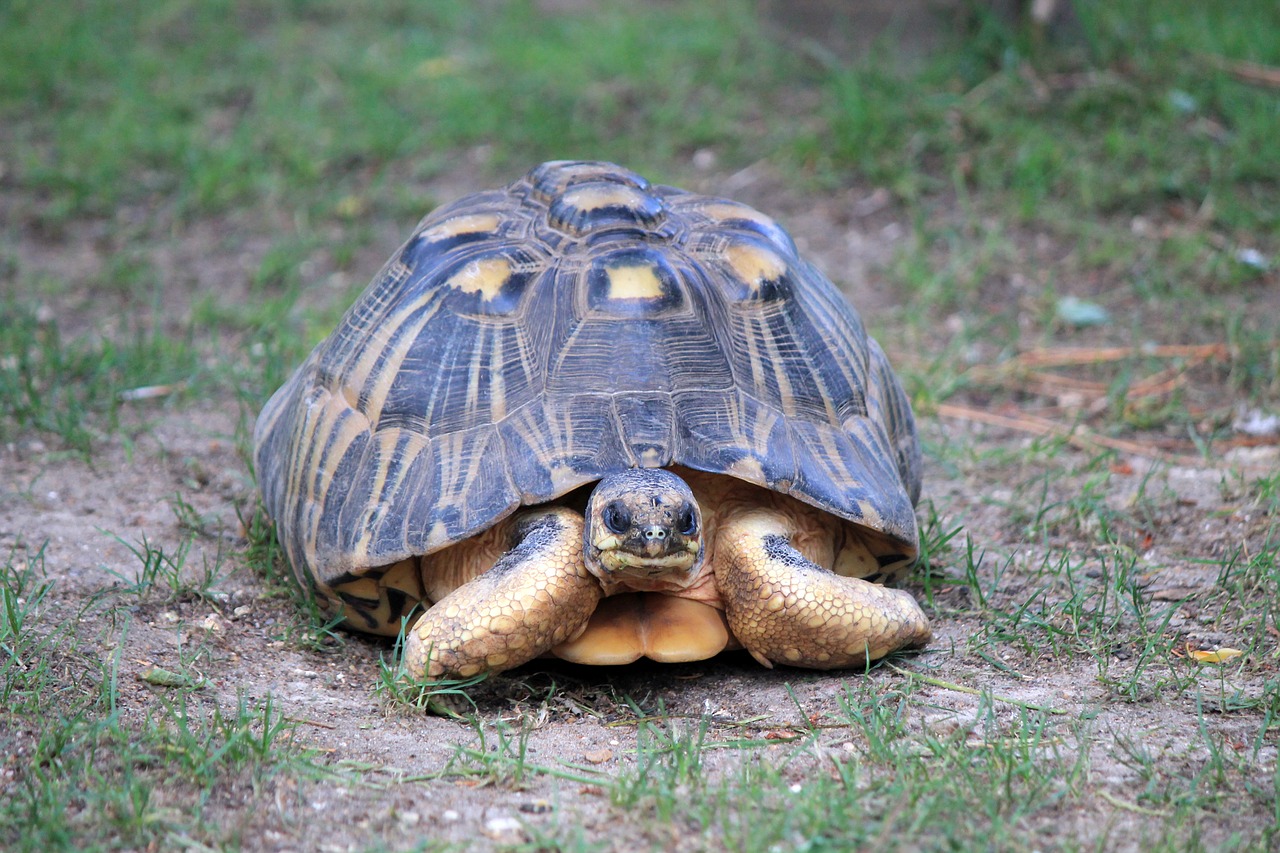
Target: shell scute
point(633, 283)
point(649, 420)
point(554, 447)
point(600, 205)
point(551, 179)
point(733, 432)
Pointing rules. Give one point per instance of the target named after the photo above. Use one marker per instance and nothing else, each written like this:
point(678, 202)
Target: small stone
point(1253, 258)
point(1256, 422)
point(504, 830)
point(1081, 312)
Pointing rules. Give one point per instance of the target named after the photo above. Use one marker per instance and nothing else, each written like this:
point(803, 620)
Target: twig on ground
point(1026, 372)
point(1077, 435)
point(1123, 804)
point(1249, 72)
point(973, 691)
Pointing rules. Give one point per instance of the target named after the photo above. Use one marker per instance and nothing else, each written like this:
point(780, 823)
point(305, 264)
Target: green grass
point(1076, 582)
point(195, 191)
point(23, 589)
point(75, 389)
point(978, 779)
point(97, 783)
point(301, 100)
point(1053, 137)
point(87, 775)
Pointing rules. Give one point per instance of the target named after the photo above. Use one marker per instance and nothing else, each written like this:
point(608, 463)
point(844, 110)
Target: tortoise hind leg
point(537, 595)
point(784, 608)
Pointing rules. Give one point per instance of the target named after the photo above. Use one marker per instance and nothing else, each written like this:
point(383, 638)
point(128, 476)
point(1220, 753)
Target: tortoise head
point(643, 531)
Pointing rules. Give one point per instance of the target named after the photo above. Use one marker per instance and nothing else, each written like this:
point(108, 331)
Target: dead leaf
point(166, 678)
point(1175, 593)
point(1219, 655)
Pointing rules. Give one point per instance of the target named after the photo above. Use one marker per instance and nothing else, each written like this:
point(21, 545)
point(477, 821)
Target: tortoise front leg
point(784, 608)
point(536, 596)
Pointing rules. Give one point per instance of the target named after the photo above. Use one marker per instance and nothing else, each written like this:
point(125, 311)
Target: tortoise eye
point(616, 517)
point(687, 523)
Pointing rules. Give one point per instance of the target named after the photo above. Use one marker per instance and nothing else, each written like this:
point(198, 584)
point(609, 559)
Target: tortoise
point(599, 419)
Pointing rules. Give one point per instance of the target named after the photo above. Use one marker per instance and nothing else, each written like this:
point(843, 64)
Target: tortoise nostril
point(655, 532)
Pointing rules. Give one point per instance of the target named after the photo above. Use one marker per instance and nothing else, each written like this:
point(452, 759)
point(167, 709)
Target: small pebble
point(504, 830)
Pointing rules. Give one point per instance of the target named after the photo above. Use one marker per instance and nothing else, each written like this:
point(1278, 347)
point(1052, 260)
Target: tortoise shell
point(527, 341)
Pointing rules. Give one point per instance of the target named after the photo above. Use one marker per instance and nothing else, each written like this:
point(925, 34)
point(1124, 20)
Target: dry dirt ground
point(93, 514)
